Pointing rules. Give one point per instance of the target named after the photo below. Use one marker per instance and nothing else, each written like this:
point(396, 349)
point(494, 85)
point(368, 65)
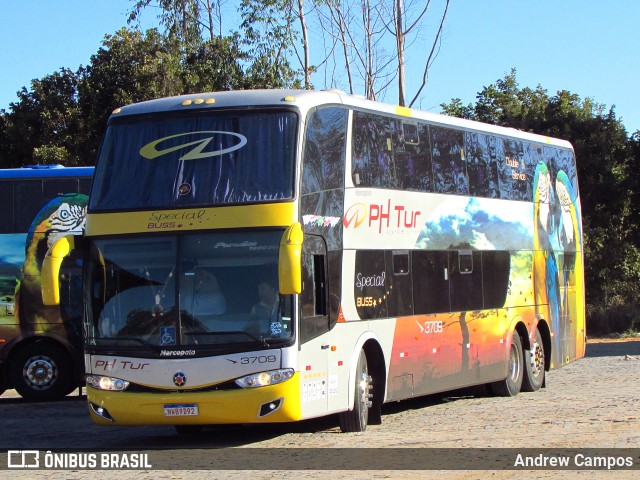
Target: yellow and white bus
point(272, 256)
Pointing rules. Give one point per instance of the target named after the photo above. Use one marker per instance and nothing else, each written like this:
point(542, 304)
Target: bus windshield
point(201, 289)
point(195, 160)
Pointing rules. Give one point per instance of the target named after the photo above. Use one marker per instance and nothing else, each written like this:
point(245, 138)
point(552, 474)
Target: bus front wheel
point(42, 372)
point(511, 385)
point(356, 420)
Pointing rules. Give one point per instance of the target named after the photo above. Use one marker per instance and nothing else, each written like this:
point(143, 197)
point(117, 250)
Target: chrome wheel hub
point(365, 397)
point(514, 364)
point(536, 358)
point(39, 372)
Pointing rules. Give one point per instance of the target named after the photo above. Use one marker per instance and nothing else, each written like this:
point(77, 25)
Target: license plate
point(188, 410)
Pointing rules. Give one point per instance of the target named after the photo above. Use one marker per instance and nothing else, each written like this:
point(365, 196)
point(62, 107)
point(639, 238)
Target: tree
point(184, 20)
point(45, 125)
point(262, 50)
point(401, 27)
point(634, 180)
point(335, 23)
point(63, 116)
point(274, 23)
point(306, 61)
point(213, 66)
point(364, 29)
point(5, 143)
point(266, 25)
point(130, 67)
point(374, 39)
point(359, 29)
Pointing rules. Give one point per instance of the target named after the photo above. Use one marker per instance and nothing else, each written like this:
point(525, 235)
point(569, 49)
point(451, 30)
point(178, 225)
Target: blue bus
point(40, 346)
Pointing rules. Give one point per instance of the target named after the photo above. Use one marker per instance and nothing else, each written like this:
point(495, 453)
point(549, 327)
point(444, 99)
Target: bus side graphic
point(41, 351)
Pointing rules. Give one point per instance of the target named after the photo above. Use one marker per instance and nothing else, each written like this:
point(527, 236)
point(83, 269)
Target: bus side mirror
point(290, 260)
point(51, 269)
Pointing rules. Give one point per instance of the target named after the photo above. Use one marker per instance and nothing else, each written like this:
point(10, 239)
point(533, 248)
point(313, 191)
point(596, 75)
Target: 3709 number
point(432, 327)
point(258, 359)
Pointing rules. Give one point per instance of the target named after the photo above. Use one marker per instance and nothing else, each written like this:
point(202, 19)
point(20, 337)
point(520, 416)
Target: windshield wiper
point(261, 341)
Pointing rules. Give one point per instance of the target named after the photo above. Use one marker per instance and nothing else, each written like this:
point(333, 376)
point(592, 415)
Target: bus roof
point(45, 171)
point(306, 99)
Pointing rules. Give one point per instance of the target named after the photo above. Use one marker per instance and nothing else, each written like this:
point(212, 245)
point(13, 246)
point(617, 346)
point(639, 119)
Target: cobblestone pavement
point(592, 403)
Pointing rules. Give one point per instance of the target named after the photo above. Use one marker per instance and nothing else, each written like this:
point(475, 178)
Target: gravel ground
point(592, 403)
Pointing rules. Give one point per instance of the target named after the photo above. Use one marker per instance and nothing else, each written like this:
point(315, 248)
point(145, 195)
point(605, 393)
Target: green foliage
point(267, 34)
point(51, 155)
point(259, 54)
point(130, 67)
point(182, 19)
point(45, 115)
point(607, 160)
point(214, 66)
point(457, 109)
point(62, 117)
point(66, 113)
point(623, 320)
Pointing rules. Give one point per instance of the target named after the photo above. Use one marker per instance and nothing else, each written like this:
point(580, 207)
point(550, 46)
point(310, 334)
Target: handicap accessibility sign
point(167, 336)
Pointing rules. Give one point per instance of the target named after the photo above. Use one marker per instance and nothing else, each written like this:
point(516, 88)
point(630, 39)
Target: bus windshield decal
point(150, 151)
point(219, 159)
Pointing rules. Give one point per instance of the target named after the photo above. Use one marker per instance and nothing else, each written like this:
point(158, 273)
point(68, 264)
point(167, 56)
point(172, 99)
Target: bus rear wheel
point(42, 372)
point(510, 386)
point(356, 420)
point(534, 359)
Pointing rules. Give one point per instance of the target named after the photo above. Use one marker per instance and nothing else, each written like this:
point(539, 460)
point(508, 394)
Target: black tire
point(42, 372)
point(189, 429)
point(356, 420)
point(510, 386)
point(534, 360)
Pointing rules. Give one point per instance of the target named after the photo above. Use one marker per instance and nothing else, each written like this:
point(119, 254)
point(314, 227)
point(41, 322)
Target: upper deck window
point(197, 160)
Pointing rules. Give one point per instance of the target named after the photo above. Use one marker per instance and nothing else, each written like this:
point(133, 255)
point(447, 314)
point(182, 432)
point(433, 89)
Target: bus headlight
point(263, 379)
point(107, 383)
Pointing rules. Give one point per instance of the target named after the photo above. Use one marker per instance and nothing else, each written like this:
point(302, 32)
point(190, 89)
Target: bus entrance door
point(314, 327)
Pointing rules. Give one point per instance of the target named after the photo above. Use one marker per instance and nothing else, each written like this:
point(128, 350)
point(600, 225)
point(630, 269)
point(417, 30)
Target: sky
point(589, 47)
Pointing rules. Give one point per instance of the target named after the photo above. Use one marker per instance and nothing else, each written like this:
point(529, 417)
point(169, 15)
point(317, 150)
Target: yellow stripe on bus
point(267, 215)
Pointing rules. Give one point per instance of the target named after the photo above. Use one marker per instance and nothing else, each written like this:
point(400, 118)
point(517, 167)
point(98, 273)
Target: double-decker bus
point(271, 256)
point(41, 349)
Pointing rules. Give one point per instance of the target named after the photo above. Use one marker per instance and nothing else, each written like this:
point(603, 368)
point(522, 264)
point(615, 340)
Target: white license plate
point(188, 410)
